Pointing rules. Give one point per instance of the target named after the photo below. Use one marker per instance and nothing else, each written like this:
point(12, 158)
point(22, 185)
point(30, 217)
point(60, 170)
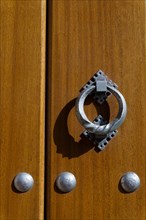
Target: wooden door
point(82, 37)
point(22, 80)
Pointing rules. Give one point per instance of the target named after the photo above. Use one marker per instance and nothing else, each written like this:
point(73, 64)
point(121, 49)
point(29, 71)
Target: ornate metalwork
point(100, 87)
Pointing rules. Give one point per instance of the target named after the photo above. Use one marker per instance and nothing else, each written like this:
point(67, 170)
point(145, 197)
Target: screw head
point(66, 182)
point(23, 182)
point(130, 182)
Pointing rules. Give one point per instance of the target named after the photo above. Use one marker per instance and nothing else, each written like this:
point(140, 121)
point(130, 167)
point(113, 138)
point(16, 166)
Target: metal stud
point(130, 182)
point(66, 182)
point(23, 182)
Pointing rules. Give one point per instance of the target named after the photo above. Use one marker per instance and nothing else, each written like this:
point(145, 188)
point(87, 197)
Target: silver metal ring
point(91, 127)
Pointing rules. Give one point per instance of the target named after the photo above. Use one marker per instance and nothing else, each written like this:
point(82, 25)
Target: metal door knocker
point(99, 131)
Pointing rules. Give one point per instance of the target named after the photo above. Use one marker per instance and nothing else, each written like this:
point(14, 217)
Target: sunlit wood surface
point(22, 80)
point(84, 36)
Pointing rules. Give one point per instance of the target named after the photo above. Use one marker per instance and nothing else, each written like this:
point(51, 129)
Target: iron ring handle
point(100, 130)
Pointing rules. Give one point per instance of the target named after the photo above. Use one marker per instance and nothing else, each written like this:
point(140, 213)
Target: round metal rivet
point(23, 182)
point(130, 182)
point(66, 182)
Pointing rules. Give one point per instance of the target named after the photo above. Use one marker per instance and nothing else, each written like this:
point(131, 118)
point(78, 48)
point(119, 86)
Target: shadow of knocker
point(65, 143)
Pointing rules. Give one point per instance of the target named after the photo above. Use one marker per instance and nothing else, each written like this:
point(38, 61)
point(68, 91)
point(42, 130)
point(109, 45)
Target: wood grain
point(22, 106)
point(85, 36)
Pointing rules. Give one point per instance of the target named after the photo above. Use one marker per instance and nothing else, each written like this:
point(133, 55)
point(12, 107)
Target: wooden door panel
point(85, 36)
point(22, 106)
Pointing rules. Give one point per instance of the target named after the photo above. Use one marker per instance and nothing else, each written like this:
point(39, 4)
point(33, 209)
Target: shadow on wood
point(66, 144)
